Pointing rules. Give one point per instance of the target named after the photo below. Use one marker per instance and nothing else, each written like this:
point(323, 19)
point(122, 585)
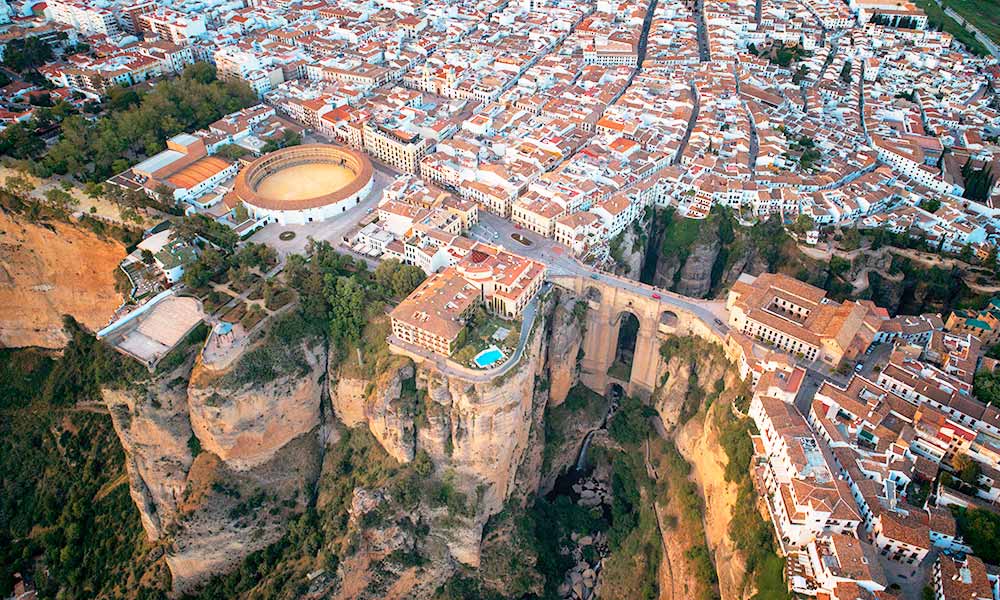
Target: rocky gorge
point(366, 474)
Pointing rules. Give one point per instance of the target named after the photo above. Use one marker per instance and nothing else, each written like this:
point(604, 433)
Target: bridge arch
point(669, 319)
point(625, 342)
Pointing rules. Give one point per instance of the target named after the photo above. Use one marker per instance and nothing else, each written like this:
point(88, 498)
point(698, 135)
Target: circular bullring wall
point(303, 184)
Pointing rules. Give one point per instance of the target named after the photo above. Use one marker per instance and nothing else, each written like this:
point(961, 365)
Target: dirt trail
point(698, 442)
point(50, 270)
point(98, 207)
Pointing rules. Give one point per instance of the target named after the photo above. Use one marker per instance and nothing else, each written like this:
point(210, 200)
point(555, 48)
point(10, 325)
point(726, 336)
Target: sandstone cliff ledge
point(217, 463)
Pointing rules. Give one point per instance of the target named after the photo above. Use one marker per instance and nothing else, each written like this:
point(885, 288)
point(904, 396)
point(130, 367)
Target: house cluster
point(433, 317)
point(860, 477)
point(570, 117)
point(197, 169)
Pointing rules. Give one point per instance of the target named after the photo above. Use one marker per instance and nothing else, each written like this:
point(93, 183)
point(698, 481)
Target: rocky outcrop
point(697, 439)
point(698, 442)
point(154, 430)
point(696, 274)
point(379, 404)
point(242, 425)
point(50, 270)
point(564, 342)
point(630, 255)
point(229, 513)
point(217, 470)
point(480, 432)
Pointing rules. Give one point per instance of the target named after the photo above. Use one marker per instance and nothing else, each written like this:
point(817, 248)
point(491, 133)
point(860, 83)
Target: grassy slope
point(937, 19)
point(981, 13)
point(66, 518)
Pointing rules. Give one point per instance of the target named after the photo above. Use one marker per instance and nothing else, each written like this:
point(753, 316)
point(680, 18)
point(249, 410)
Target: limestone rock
point(246, 426)
point(380, 405)
point(154, 431)
point(696, 274)
point(564, 345)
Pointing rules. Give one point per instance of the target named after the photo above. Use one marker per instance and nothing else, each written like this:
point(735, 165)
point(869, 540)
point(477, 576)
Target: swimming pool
point(488, 357)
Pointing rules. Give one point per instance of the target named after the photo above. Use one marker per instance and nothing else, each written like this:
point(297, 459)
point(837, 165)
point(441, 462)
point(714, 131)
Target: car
point(656, 296)
point(718, 322)
point(858, 367)
point(593, 276)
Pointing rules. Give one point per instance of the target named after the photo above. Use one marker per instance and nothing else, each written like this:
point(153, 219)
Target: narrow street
point(696, 107)
point(704, 51)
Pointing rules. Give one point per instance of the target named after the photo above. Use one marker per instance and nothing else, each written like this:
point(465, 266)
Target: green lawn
point(771, 579)
point(938, 20)
point(981, 13)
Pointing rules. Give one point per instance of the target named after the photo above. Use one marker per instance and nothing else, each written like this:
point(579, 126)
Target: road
point(498, 231)
point(704, 50)
point(695, 109)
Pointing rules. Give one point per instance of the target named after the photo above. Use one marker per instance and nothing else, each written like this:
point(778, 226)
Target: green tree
point(347, 317)
point(966, 469)
point(981, 530)
point(25, 54)
point(845, 72)
point(986, 387)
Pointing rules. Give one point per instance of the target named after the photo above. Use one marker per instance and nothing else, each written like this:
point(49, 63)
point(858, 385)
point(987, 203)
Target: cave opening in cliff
point(628, 332)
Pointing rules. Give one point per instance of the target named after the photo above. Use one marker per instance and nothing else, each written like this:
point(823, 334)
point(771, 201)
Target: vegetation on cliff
point(748, 529)
point(67, 522)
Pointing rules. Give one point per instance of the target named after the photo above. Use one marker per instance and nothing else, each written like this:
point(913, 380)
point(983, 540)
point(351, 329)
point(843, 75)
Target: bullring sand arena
point(305, 181)
point(302, 184)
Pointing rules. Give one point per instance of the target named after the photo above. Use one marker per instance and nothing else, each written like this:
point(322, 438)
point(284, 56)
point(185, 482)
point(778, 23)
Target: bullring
point(303, 184)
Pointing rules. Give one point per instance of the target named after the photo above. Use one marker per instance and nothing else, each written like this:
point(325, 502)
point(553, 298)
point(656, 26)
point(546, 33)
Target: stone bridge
point(609, 298)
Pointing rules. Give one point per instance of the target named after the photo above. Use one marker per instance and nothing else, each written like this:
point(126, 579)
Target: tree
point(199, 226)
point(198, 273)
point(986, 387)
point(93, 190)
point(845, 73)
point(18, 141)
point(347, 317)
point(60, 201)
point(26, 54)
point(981, 530)
point(966, 469)
point(93, 150)
point(396, 278)
point(931, 205)
point(232, 152)
point(803, 223)
point(18, 185)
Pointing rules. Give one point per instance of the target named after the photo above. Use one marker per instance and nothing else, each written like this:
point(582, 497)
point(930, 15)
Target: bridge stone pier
point(608, 303)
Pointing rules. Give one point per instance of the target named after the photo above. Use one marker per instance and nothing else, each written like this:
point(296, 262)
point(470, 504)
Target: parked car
point(656, 296)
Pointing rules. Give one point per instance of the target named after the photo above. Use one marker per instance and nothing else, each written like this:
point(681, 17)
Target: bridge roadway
point(493, 229)
point(711, 312)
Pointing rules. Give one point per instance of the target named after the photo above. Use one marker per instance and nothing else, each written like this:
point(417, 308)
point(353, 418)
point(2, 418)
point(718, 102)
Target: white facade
point(310, 215)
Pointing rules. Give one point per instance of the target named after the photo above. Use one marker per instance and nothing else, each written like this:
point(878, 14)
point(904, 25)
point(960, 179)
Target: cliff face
point(50, 270)
point(379, 404)
point(480, 432)
point(239, 423)
point(216, 472)
point(696, 274)
point(696, 374)
point(221, 457)
point(631, 252)
point(564, 341)
point(154, 430)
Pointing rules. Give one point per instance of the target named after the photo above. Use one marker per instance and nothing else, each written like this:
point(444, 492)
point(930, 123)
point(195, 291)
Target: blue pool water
point(488, 357)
